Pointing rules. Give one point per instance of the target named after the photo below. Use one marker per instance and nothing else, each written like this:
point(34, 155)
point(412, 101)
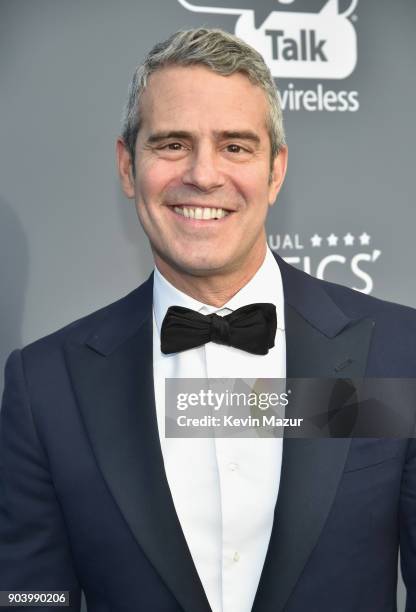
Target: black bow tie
point(251, 328)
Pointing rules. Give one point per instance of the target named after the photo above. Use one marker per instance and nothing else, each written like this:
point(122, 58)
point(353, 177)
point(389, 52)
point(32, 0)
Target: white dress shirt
point(224, 489)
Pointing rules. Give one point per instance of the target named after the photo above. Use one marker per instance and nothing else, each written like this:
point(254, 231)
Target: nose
point(203, 171)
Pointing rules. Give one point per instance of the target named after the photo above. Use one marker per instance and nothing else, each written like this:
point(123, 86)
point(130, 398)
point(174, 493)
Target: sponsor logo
point(322, 256)
point(317, 43)
point(309, 45)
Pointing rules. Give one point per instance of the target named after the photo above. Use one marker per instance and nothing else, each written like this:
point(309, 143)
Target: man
point(93, 495)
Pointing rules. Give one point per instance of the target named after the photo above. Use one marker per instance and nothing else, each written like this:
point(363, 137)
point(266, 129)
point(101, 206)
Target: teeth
point(205, 214)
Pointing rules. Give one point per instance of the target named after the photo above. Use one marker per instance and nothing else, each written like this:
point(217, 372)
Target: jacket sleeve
point(408, 526)
point(34, 547)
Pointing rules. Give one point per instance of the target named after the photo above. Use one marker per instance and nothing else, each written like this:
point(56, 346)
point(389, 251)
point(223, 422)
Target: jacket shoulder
point(80, 329)
point(300, 286)
point(357, 304)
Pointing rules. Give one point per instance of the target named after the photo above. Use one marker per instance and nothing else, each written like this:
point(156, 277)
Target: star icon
point(332, 240)
point(316, 240)
point(349, 239)
point(365, 239)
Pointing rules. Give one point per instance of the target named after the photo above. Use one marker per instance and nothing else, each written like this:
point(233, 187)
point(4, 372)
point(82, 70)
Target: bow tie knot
point(251, 328)
point(220, 330)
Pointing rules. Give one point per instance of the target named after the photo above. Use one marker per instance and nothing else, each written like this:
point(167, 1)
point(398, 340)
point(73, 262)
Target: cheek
point(252, 180)
point(255, 193)
point(153, 179)
point(148, 187)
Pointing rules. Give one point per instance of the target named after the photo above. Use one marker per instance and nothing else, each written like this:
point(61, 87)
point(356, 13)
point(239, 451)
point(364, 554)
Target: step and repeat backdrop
point(71, 243)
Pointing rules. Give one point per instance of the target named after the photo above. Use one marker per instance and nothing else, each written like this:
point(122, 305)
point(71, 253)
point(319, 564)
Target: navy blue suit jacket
point(84, 500)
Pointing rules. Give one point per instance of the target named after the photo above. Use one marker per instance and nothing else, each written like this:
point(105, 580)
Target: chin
point(201, 266)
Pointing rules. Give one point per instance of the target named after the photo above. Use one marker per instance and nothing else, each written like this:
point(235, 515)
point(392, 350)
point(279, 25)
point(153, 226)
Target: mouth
point(199, 213)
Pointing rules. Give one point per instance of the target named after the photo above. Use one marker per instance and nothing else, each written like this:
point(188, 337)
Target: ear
point(278, 174)
point(125, 168)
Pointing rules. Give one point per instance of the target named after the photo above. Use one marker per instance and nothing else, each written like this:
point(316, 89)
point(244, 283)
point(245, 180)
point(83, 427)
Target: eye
point(234, 148)
point(172, 146)
point(172, 150)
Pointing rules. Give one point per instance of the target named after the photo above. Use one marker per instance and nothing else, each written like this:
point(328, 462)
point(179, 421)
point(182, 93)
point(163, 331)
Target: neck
point(216, 289)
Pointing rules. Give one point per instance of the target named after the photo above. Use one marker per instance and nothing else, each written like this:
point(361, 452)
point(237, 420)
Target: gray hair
point(221, 52)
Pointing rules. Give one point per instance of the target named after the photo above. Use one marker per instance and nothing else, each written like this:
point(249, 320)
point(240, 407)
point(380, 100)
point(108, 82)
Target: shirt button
point(236, 557)
point(233, 466)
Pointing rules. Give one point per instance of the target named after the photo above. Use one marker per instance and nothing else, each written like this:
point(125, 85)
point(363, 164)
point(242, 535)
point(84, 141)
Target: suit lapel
point(112, 375)
point(321, 342)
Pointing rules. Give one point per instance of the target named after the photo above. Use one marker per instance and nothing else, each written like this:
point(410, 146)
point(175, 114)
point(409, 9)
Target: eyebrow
point(158, 136)
point(219, 135)
point(239, 135)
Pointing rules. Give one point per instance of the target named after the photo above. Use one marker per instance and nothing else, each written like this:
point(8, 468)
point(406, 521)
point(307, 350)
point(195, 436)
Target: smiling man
point(204, 175)
point(95, 497)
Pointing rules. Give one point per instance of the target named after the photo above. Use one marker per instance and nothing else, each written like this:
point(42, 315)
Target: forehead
point(199, 98)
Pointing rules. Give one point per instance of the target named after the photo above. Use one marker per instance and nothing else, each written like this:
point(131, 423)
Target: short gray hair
point(221, 52)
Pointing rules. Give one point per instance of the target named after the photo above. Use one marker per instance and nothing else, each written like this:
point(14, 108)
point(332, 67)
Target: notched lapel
point(323, 344)
point(113, 382)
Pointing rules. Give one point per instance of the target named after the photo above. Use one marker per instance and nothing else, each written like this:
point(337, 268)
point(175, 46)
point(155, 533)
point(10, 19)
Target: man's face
point(203, 150)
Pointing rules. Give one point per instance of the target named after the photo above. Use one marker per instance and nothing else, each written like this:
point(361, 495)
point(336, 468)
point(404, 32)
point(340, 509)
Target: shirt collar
point(265, 286)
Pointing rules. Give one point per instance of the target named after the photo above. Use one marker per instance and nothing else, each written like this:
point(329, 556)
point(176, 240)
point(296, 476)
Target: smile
point(203, 214)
